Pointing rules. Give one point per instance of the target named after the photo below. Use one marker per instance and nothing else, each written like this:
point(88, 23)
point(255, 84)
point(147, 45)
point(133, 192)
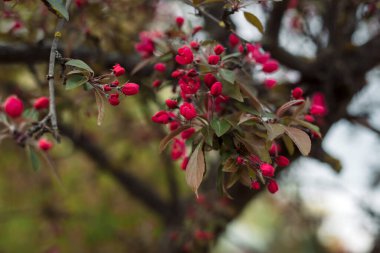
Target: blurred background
point(116, 193)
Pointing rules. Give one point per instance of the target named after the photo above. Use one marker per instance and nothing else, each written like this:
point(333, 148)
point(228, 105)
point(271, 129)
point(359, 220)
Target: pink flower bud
point(282, 161)
point(107, 88)
point(239, 160)
point(114, 99)
point(270, 83)
point(272, 186)
point(179, 21)
point(187, 133)
point(233, 40)
point(161, 117)
point(267, 169)
point(184, 163)
point(261, 57)
point(178, 149)
point(188, 111)
point(172, 104)
point(216, 89)
point(115, 83)
point(177, 73)
point(297, 93)
point(156, 83)
point(194, 45)
point(160, 67)
point(274, 149)
point(13, 106)
point(218, 49)
point(118, 70)
point(185, 56)
point(270, 66)
point(255, 185)
point(45, 144)
point(309, 118)
point(213, 59)
point(173, 125)
point(130, 89)
point(318, 110)
point(41, 103)
point(209, 79)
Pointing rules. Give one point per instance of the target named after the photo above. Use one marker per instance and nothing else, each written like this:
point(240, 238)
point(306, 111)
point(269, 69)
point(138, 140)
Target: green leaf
point(220, 126)
point(252, 97)
point(244, 117)
point(208, 135)
point(230, 165)
point(3, 118)
point(79, 64)
point(308, 125)
point(288, 144)
point(57, 7)
point(75, 81)
point(233, 91)
point(228, 75)
point(33, 158)
point(274, 130)
point(229, 56)
point(254, 21)
point(300, 138)
point(196, 168)
point(30, 114)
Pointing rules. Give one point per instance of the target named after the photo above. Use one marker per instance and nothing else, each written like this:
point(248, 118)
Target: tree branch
point(50, 76)
point(363, 121)
point(270, 41)
point(129, 182)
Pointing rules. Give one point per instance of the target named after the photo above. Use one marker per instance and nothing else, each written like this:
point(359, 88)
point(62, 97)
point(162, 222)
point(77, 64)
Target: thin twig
point(54, 46)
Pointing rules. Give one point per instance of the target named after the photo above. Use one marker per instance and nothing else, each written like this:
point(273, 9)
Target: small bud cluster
point(128, 89)
point(16, 117)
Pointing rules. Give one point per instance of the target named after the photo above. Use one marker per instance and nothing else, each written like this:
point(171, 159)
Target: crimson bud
point(297, 93)
point(160, 67)
point(41, 103)
point(213, 59)
point(45, 144)
point(171, 103)
point(282, 161)
point(272, 186)
point(218, 49)
point(255, 185)
point(114, 99)
point(216, 89)
point(188, 111)
point(161, 117)
point(267, 169)
point(13, 106)
point(130, 89)
point(118, 70)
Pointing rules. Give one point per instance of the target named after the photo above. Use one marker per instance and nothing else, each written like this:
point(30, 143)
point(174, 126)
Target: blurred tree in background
point(109, 189)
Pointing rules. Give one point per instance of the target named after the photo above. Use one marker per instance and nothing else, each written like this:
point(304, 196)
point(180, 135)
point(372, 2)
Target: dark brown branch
point(138, 189)
point(270, 41)
point(363, 121)
point(38, 53)
point(369, 54)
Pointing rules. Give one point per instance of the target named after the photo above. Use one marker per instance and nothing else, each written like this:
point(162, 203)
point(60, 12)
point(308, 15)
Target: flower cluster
point(214, 106)
point(16, 119)
point(128, 89)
